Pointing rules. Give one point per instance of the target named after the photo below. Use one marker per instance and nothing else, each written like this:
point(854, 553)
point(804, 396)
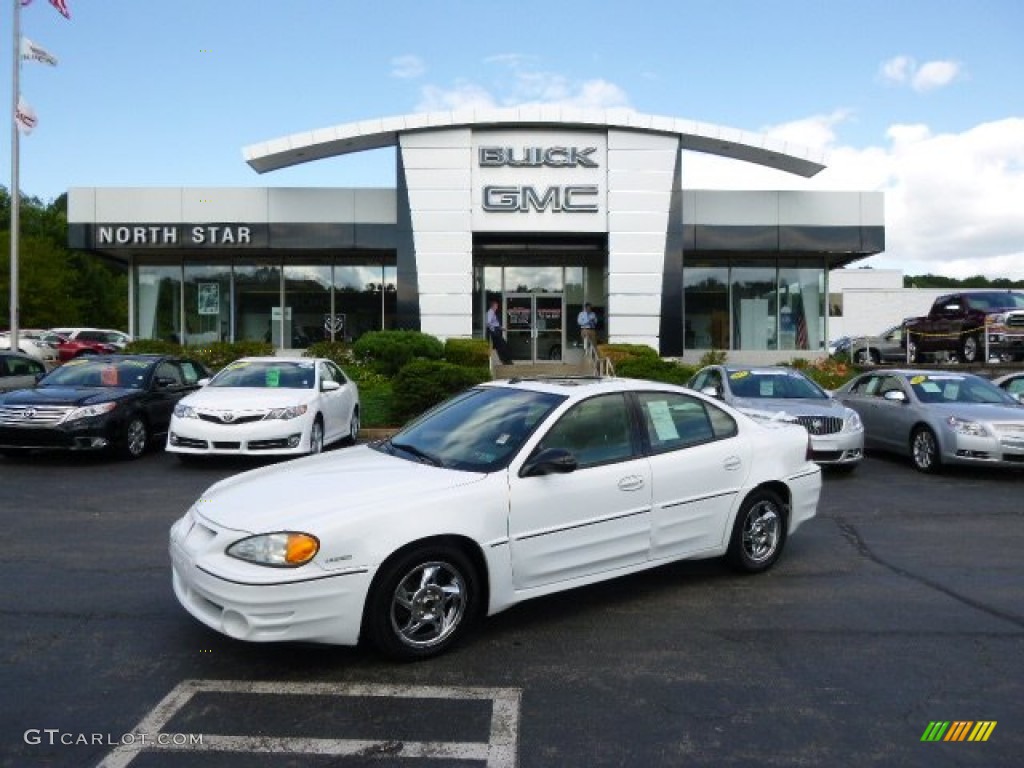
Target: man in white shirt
point(587, 321)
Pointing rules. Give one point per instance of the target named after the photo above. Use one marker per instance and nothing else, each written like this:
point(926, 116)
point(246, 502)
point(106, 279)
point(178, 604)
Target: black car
point(118, 403)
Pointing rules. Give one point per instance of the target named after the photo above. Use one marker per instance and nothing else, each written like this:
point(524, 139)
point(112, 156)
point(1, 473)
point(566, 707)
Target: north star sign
point(567, 198)
point(174, 235)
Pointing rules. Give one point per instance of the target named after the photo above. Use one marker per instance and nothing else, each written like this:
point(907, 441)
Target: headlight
point(286, 549)
point(185, 411)
point(851, 421)
point(996, 319)
point(90, 410)
point(966, 427)
point(291, 412)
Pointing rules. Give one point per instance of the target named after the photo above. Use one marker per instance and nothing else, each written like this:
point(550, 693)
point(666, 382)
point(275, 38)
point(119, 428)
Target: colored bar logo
point(958, 730)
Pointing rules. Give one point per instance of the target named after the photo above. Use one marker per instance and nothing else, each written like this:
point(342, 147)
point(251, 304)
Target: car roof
point(279, 359)
point(582, 386)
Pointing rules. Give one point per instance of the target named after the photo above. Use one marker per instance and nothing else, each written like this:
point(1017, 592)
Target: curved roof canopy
point(374, 134)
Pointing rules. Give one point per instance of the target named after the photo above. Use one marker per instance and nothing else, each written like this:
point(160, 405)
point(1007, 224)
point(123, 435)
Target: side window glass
point(595, 431)
point(676, 421)
point(700, 382)
point(189, 371)
point(327, 372)
point(337, 373)
point(170, 371)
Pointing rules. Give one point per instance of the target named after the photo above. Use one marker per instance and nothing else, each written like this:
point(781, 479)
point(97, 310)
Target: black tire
point(924, 451)
point(913, 355)
point(971, 348)
point(353, 426)
point(316, 436)
point(422, 602)
point(759, 533)
point(136, 438)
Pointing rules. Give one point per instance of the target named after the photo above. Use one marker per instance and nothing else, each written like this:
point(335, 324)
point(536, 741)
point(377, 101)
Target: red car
point(68, 349)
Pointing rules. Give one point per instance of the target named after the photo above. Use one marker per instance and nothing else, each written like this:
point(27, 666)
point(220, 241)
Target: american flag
point(62, 7)
point(801, 330)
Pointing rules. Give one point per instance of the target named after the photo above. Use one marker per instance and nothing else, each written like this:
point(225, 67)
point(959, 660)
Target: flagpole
point(15, 182)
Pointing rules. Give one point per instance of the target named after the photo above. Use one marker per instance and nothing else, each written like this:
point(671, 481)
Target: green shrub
point(713, 357)
point(655, 369)
point(337, 351)
point(388, 351)
point(219, 353)
point(423, 384)
point(153, 347)
point(375, 396)
point(619, 352)
point(468, 352)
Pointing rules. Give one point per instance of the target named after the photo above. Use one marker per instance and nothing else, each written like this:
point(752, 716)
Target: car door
point(167, 387)
point(893, 418)
point(19, 373)
point(336, 406)
point(861, 398)
point(589, 521)
point(698, 466)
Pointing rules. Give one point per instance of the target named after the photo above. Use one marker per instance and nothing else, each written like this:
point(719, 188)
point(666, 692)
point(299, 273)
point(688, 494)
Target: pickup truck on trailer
point(957, 324)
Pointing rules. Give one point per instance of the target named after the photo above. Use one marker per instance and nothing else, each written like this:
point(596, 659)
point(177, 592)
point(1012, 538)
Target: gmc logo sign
point(571, 198)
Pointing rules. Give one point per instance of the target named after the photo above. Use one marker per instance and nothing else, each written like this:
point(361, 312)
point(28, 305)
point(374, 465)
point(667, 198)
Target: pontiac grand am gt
point(508, 491)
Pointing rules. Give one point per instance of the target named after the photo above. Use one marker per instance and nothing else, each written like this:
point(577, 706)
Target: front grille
point(188, 442)
point(33, 415)
point(227, 446)
point(821, 425)
point(244, 418)
point(1015, 320)
point(1010, 429)
point(826, 456)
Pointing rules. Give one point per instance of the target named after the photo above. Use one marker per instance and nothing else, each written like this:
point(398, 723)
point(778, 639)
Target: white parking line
point(499, 752)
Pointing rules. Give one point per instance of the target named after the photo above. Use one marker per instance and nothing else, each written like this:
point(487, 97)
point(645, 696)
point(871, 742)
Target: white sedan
point(508, 491)
point(260, 406)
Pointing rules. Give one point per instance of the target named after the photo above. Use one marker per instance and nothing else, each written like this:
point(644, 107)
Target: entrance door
point(535, 326)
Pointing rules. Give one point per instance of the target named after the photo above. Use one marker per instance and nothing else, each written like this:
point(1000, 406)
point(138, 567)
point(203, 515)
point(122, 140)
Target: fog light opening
point(234, 625)
point(294, 440)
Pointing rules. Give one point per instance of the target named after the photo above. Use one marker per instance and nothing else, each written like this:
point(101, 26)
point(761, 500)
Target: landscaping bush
point(388, 351)
point(619, 352)
point(713, 357)
point(423, 384)
point(468, 352)
point(336, 351)
point(214, 356)
point(655, 369)
point(153, 347)
point(827, 372)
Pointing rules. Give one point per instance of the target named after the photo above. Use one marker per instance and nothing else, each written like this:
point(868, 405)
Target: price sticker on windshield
point(739, 375)
point(273, 377)
point(919, 380)
point(108, 376)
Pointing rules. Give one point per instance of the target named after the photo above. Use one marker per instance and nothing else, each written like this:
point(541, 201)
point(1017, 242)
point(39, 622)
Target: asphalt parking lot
point(900, 606)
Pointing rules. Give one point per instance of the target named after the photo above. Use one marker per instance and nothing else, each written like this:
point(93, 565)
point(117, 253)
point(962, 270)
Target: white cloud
point(952, 200)
point(407, 67)
point(904, 70)
point(520, 83)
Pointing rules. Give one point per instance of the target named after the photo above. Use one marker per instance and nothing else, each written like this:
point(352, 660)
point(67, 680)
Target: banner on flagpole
point(25, 117)
point(62, 8)
point(35, 52)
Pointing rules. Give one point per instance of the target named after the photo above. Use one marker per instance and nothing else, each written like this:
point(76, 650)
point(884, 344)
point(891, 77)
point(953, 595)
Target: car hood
point(67, 396)
point(979, 411)
point(775, 407)
point(245, 398)
point(306, 494)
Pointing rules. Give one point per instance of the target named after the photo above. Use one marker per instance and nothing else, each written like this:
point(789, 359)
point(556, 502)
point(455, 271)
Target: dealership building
point(543, 209)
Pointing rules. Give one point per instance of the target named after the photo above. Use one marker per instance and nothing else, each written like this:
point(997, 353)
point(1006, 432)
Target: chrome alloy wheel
point(925, 450)
point(428, 604)
point(135, 439)
point(761, 531)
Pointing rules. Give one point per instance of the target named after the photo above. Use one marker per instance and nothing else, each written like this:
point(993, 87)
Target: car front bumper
point(839, 448)
point(1002, 449)
point(274, 437)
point(318, 606)
point(84, 435)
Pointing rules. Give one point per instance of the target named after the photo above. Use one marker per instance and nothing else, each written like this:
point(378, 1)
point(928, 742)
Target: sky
point(920, 99)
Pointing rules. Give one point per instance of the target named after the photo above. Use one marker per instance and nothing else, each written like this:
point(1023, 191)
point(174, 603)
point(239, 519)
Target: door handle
point(631, 483)
point(732, 463)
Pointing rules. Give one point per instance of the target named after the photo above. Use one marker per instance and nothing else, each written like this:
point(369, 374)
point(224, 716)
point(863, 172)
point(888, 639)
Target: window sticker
point(739, 375)
point(930, 386)
point(304, 365)
point(767, 387)
point(504, 438)
point(661, 418)
point(918, 379)
point(108, 376)
point(273, 377)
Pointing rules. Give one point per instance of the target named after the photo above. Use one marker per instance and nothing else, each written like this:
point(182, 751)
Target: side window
point(866, 387)
point(190, 372)
point(595, 431)
point(170, 371)
point(327, 373)
point(337, 374)
point(675, 421)
point(700, 381)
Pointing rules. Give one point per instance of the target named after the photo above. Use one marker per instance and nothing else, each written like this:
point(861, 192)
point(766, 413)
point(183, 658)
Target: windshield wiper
point(423, 455)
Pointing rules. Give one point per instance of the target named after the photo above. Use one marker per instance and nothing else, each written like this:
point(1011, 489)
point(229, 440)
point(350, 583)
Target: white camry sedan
point(508, 491)
point(263, 406)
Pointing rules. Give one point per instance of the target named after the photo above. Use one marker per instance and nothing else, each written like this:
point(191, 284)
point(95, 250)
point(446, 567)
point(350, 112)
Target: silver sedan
point(784, 394)
point(938, 417)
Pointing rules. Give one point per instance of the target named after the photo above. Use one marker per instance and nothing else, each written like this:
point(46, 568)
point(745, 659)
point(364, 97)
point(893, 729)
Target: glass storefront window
point(533, 279)
point(158, 302)
point(802, 306)
point(207, 303)
point(754, 303)
point(307, 291)
point(362, 294)
point(258, 303)
point(706, 305)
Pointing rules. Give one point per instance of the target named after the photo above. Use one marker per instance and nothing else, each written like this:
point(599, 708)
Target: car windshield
point(479, 430)
point(996, 300)
point(113, 374)
point(258, 374)
point(773, 384)
point(958, 389)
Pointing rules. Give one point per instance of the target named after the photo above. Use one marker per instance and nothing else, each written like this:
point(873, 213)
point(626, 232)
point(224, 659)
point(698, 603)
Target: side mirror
point(329, 386)
point(895, 396)
point(711, 392)
point(203, 382)
point(549, 461)
point(163, 382)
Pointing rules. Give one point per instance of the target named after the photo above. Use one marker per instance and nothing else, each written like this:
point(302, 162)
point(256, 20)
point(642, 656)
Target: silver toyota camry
point(938, 417)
